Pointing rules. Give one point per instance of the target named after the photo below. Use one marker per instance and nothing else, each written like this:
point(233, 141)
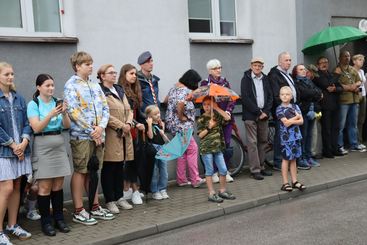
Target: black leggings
point(131, 172)
point(112, 180)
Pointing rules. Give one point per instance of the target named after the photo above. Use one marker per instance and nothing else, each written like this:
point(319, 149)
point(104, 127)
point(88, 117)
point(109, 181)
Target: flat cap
point(257, 60)
point(144, 57)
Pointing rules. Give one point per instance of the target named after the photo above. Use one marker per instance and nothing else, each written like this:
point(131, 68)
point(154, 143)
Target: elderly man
point(148, 81)
point(279, 77)
point(348, 99)
point(257, 101)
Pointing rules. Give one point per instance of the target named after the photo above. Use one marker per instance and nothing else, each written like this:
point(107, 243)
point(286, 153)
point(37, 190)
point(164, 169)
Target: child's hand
point(212, 123)
point(161, 124)
point(287, 123)
point(140, 126)
point(149, 121)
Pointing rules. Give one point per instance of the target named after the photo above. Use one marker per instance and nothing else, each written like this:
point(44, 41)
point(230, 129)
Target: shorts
point(82, 151)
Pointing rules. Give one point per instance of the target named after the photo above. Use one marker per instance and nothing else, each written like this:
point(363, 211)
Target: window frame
point(28, 26)
point(215, 34)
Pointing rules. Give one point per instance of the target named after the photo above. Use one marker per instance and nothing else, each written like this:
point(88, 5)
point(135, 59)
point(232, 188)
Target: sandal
point(286, 187)
point(299, 186)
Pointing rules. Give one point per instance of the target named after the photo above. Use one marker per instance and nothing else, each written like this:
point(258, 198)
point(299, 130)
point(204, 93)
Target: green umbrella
point(331, 36)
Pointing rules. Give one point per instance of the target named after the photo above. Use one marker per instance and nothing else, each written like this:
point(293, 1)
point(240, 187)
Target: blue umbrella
point(176, 147)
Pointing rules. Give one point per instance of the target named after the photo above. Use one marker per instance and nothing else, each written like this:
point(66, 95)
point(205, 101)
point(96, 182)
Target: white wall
point(159, 26)
point(273, 29)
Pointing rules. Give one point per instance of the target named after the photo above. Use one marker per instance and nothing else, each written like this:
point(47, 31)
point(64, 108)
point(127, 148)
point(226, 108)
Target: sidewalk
point(187, 205)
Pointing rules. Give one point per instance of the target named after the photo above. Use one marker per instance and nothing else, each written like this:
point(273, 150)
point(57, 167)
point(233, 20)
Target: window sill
point(221, 40)
point(39, 39)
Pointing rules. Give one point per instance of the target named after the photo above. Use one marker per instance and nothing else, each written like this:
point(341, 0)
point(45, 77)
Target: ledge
point(221, 41)
point(39, 39)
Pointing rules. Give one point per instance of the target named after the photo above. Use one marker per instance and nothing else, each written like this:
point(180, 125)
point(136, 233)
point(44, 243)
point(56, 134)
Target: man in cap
point(257, 101)
point(148, 81)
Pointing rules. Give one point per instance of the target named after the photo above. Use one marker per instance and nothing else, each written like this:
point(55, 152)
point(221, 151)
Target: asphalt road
point(335, 217)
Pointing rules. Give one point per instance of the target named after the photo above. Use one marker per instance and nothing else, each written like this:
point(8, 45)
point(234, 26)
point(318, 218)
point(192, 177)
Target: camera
point(360, 89)
point(59, 102)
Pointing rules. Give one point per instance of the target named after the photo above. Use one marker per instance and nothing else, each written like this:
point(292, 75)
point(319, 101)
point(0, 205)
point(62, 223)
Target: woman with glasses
point(119, 146)
point(215, 76)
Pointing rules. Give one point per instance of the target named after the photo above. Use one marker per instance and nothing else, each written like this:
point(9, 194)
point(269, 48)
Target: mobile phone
point(59, 102)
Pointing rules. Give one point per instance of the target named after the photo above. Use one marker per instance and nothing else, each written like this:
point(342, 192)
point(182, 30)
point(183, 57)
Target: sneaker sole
point(21, 238)
point(102, 218)
point(125, 208)
point(84, 223)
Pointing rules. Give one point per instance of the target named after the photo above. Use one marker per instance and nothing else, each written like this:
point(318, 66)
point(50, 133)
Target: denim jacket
point(6, 126)
point(147, 92)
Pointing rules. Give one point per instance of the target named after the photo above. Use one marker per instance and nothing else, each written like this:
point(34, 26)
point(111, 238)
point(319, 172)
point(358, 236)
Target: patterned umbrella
point(220, 93)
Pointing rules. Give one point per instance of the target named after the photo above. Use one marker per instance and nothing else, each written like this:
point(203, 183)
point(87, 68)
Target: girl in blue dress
point(290, 138)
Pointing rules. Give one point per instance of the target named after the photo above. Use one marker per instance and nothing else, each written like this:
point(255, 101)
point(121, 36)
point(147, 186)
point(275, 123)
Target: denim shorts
point(218, 159)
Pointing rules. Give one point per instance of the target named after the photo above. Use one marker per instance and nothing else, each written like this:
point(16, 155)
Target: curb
point(221, 211)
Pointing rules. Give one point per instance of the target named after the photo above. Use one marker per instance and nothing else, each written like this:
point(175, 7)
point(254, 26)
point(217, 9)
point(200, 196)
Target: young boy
point(211, 147)
point(89, 114)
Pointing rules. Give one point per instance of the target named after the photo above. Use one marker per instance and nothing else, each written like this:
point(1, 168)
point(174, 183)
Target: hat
point(144, 57)
point(258, 60)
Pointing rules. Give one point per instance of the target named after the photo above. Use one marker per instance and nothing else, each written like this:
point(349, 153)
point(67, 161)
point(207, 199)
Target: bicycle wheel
point(237, 160)
point(269, 148)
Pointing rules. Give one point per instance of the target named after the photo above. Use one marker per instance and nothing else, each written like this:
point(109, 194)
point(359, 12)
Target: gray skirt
point(49, 157)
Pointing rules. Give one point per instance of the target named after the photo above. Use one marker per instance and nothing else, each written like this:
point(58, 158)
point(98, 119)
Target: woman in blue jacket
point(14, 152)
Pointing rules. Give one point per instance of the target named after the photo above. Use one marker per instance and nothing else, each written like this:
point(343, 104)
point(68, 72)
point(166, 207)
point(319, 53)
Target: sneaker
point(164, 194)
point(184, 184)
point(343, 151)
point(303, 165)
point(358, 148)
point(313, 162)
point(112, 207)
point(136, 198)
point(19, 232)
point(102, 213)
point(4, 239)
point(215, 178)
point(215, 198)
point(141, 195)
point(199, 183)
point(128, 194)
point(229, 178)
point(362, 146)
point(157, 196)
point(33, 215)
point(122, 203)
point(226, 195)
point(83, 218)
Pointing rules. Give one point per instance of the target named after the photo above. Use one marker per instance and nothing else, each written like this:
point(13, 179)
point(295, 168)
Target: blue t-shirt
point(41, 111)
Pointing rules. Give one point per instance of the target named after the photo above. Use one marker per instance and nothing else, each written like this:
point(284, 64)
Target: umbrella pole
point(211, 108)
point(336, 60)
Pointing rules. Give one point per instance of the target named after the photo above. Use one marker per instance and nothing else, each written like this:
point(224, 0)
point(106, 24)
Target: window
point(212, 17)
point(25, 17)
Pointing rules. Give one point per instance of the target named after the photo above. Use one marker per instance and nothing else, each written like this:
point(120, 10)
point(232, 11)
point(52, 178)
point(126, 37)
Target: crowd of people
point(107, 119)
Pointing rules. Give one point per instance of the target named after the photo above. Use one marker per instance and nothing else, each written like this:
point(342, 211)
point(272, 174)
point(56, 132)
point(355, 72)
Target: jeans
point(348, 119)
point(276, 146)
point(306, 130)
point(159, 177)
point(218, 158)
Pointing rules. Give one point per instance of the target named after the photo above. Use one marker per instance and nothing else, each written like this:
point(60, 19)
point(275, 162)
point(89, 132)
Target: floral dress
point(290, 137)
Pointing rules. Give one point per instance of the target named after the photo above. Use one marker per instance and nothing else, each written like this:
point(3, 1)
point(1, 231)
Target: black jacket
point(308, 93)
point(330, 101)
point(250, 109)
point(277, 80)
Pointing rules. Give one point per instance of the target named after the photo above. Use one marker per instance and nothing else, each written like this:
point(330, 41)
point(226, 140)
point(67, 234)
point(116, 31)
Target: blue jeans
point(306, 130)
point(348, 119)
point(159, 177)
point(219, 162)
point(276, 146)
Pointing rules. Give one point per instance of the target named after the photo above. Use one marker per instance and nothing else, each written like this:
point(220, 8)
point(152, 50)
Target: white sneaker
point(184, 184)
point(136, 198)
point(229, 178)
point(18, 231)
point(198, 184)
point(157, 196)
point(111, 206)
point(362, 146)
point(164, 194)
point(83, 218)
point(102, 213)
point(128, 194)
point(343, 151)
point(33, 215)
point(4, 239)
point(215, 178)
point(124, 204)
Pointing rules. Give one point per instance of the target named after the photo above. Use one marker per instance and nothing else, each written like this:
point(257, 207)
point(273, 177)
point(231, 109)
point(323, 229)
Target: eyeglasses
point(111, 73)
point(216, 68)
